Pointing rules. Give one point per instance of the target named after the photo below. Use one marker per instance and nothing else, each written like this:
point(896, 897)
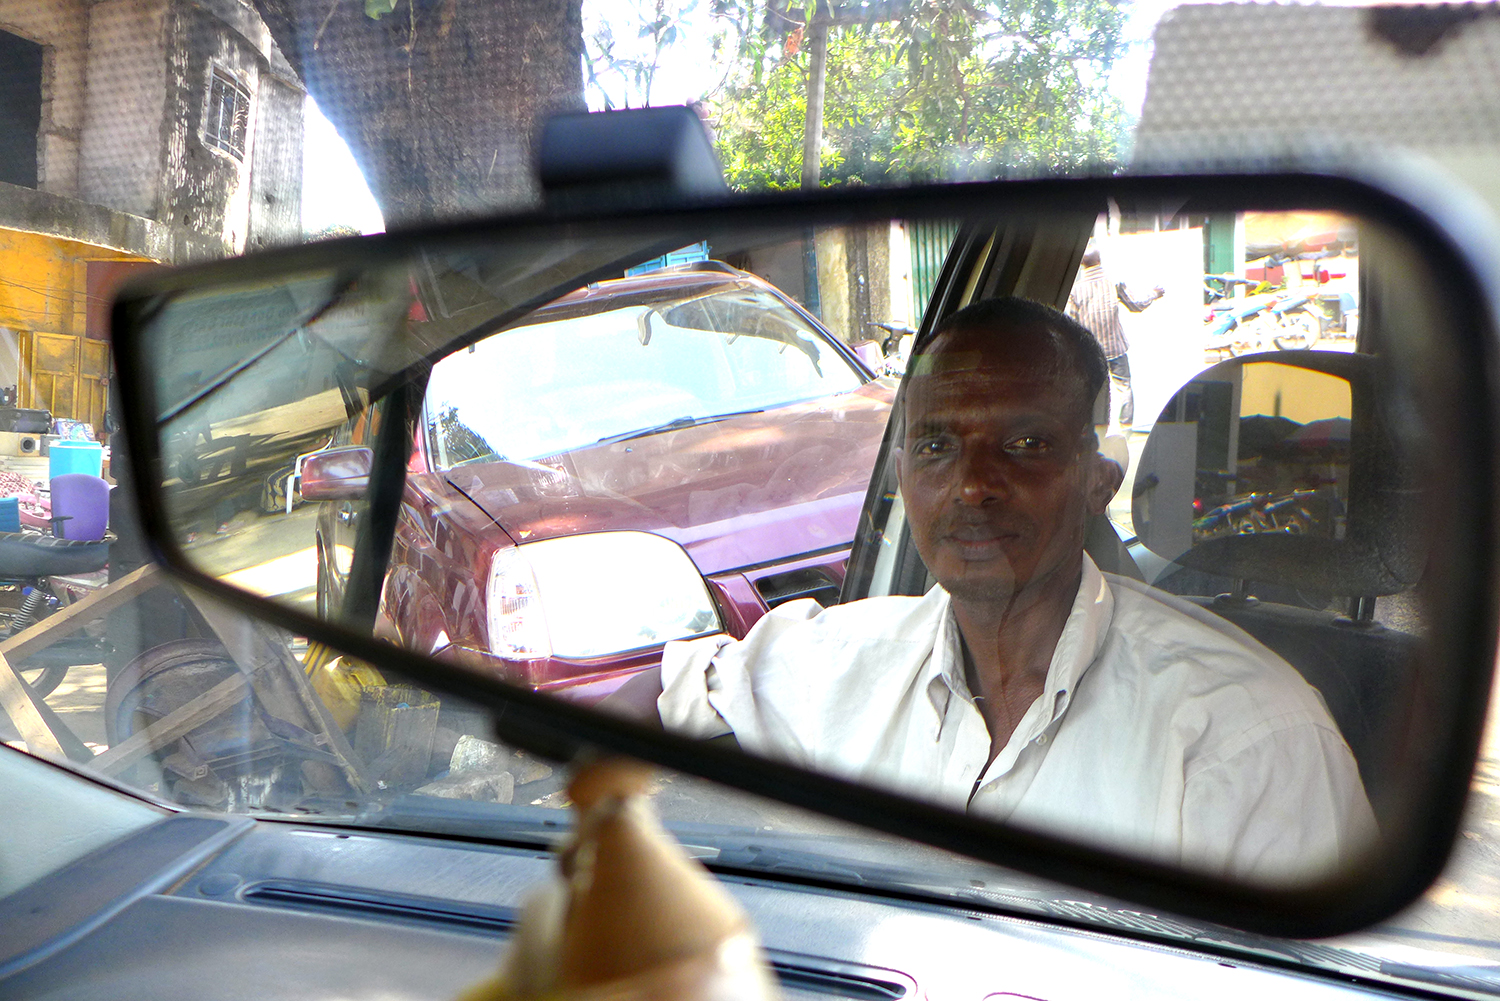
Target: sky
point(334, 192)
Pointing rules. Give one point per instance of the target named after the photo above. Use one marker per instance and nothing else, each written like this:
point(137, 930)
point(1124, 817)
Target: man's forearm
point(1135, 306)
point(636, 698)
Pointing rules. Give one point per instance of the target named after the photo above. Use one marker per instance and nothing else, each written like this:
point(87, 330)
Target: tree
point(437, 99)
point(622, 71)
point(943, 90)
point(333, 232)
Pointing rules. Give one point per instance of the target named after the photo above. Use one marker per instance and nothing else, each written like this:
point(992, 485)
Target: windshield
point(587, 379)
point(725, 419)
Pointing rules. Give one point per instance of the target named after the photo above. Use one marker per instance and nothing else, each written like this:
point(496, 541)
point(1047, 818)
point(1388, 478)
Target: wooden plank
point(74, 617)
point(21, 706)
point(279, 681)
point(182, 720)
point(72, 746)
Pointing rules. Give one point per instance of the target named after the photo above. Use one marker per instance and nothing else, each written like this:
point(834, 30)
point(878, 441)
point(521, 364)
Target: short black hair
point(1080, 346)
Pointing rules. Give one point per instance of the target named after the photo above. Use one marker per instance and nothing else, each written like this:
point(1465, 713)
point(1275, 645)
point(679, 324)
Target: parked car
point(696, 403)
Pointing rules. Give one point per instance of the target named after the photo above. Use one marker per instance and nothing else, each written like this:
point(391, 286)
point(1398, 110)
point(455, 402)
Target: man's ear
point(1105, 477)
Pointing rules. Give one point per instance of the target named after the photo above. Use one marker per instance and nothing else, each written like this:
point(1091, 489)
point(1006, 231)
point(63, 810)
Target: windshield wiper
point(675, 424)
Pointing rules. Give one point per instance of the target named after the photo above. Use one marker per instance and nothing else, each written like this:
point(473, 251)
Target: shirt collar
point(1082, 639)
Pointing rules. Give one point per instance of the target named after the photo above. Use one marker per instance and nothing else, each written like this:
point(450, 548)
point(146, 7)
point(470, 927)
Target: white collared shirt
point(1163, 730)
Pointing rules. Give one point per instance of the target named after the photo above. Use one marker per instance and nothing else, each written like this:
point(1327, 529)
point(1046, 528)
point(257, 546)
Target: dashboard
point(218, 908)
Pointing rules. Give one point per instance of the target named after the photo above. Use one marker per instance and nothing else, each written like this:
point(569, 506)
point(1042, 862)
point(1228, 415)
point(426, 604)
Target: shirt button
point(1041, 740)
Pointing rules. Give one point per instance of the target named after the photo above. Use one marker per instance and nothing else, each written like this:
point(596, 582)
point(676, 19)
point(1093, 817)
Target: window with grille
point(227, 121)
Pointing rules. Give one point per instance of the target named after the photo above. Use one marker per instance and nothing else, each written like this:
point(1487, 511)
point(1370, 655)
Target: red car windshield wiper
point(676, 424)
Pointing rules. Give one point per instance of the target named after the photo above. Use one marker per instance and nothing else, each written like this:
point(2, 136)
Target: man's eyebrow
point(927, 424)
point(949, 417)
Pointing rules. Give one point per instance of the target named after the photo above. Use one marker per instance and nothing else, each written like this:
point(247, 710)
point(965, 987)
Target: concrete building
point(132, 133)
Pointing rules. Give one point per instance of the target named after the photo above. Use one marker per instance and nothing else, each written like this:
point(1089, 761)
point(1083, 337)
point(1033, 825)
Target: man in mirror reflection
point(1027, 685)
point(1095, 302)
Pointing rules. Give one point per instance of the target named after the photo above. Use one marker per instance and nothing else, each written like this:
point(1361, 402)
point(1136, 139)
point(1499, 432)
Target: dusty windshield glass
point(233, 154)
point(601, 376)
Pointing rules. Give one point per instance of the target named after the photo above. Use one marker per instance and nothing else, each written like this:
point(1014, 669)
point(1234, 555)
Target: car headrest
point(1262, 471)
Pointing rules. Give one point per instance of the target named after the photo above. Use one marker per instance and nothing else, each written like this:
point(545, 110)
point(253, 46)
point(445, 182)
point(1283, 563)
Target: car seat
point(1367, 672)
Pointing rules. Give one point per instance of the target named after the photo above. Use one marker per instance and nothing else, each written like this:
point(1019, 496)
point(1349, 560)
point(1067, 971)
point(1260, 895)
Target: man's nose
point(982, 476)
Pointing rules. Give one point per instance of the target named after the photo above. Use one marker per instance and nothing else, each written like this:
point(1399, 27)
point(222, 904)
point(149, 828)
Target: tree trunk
point(438, 99)
point(817, 71)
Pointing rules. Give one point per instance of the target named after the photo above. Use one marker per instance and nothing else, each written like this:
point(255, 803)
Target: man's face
point(999, 470)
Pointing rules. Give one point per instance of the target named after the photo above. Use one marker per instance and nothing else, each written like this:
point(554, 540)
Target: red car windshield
point(553, 386)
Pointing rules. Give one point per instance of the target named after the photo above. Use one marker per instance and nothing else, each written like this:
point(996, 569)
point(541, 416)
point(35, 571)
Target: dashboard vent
point(779, 588)
point(800, 976)
point(388, 906)
point(813, 977)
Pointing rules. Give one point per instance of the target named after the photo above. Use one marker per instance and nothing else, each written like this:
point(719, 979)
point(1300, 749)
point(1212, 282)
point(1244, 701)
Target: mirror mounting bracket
point(637, 158)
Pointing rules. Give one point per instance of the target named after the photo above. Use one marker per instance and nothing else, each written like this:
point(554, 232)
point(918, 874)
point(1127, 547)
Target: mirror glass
point(1132, 551)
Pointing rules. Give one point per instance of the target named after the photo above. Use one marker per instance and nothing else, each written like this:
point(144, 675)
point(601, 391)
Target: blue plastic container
point(10, 514)
point(75, 457)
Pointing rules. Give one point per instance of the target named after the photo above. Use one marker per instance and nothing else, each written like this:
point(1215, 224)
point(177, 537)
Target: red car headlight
point(594, 595)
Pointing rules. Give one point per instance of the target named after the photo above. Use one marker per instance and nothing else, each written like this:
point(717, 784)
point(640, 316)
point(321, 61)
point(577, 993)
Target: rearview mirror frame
point(1440, 224)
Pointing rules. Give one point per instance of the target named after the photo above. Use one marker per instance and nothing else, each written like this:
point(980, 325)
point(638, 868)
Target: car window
point(1294, 286)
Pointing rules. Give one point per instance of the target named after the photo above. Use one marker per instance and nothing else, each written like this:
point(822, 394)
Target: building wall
point(121, 149)
point(150, 66)
point(46, 351)
point(125, 176)
point(276, 174)
point(42, 283)
point(62, 27)
point(202, 188)
point(854, 283)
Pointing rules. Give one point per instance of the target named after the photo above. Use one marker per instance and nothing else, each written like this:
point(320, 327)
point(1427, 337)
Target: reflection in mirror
point(1267, 451)
point(589, 468)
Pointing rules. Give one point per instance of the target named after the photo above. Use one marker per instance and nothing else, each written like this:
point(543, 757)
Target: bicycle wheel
point(47, 678)
point(1298, 330)
point(165, 678)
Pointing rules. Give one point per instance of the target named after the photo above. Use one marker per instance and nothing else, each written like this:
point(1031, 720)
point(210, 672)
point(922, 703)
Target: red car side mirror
point(337, 474)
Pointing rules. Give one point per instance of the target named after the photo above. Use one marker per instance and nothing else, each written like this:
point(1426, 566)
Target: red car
point(693, 438)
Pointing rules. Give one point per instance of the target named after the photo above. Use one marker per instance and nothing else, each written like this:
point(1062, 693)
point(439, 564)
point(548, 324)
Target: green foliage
point(333, 232)
point(950, 89)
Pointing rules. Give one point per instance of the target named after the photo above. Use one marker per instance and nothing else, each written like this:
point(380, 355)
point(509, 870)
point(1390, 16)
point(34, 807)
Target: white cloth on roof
point(1164, 730)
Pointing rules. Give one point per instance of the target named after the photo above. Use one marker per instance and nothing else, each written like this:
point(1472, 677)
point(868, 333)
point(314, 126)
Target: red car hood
point(739, 492)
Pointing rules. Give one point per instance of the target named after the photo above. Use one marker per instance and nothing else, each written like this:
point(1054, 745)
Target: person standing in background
point(1095, 303)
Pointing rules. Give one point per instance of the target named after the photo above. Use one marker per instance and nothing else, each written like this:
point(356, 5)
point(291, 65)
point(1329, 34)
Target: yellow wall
point(43, 282)
point(43, 290)
point(1300, 394)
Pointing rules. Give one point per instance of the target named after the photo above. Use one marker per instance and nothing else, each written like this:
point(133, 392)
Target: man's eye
point(1030, 444)
point(931, 447)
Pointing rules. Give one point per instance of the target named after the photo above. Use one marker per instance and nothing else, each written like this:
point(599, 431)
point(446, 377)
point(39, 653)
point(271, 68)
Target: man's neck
point(1010, 647)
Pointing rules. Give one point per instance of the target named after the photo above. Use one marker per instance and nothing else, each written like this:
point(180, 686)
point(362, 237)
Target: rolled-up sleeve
point(688, 675)
point(710, 685)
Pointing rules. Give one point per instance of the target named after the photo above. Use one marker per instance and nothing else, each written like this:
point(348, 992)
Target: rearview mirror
point(337, 474)
point(1121, 575)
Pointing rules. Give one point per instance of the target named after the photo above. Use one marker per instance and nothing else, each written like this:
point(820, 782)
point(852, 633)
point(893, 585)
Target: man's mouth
point(982, 542)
